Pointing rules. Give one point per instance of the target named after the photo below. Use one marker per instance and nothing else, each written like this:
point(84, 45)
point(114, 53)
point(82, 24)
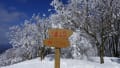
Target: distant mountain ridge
point(4, 47)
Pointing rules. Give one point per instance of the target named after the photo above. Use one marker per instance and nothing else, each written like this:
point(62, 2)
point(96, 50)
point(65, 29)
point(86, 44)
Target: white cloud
point(3, 34)
point(10, 16)
point(7, 18)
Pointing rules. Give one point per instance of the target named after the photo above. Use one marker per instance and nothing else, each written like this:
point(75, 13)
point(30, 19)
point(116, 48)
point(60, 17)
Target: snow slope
point(66, 63)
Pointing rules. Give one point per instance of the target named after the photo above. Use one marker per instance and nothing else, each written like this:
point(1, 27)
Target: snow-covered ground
point(67, 63)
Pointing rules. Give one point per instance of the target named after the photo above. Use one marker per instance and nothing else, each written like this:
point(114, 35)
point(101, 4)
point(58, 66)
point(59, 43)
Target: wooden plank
point(56, 42)
point(59, 33)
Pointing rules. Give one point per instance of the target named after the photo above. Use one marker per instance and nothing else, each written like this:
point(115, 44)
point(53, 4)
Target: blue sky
point(14, 12)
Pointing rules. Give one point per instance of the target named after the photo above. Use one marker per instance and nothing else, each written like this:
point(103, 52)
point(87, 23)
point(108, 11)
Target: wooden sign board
point(59, 33)
point(56, 42)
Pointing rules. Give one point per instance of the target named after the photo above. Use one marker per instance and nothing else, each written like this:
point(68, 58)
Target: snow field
point(65, 63)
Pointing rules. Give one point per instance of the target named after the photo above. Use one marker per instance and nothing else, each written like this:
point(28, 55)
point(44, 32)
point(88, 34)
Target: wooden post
point(57, 57)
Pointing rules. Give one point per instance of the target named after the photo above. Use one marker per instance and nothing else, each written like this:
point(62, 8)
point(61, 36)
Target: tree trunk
point(101, 54)
point(42, 53)
point(115, 50)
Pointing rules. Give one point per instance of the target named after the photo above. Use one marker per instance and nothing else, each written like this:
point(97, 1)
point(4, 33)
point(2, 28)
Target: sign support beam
point(57, 57)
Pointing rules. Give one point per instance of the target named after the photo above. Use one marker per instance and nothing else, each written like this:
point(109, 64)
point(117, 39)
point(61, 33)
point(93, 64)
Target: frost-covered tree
point(80, 48)
point(30, 36)
point(26, 36)
point(27, 41)
point(67, 16)
point(11, 56)
point(108, 11)
point(112, 42)
point(93, 17)
point(43, 25)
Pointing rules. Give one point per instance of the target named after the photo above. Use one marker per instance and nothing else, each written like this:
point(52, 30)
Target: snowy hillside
point(66, 63)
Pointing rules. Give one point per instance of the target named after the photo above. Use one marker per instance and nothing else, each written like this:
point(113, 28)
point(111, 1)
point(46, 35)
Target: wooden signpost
point(58, 38)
